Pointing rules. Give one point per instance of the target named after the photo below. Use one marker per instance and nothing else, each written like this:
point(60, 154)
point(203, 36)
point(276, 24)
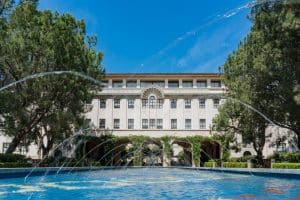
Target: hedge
point(14, 165)
point(286, 165)
point(12, 158)
point(208, 164)
point(235, 164)
point(286, 157)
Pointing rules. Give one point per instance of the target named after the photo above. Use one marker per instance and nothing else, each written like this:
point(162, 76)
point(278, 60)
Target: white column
point(166, 83)
point(180, 83)
point(194, 83)
point(109, 83)
point(138, 83)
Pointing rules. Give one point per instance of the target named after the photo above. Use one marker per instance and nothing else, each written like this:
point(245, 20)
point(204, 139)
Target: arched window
point(247, 153)
point(152, 101)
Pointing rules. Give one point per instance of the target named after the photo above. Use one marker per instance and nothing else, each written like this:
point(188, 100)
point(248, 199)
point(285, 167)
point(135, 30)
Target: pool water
point(149, 183)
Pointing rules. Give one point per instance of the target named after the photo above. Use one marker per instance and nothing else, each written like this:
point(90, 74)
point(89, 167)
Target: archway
point(210, 150)
point(152, 153)
point(123, 156)
point(247, 153)
point(182, 153)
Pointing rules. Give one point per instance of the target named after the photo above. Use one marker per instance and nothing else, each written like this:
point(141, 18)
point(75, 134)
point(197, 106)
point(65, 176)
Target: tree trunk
point(15, 142)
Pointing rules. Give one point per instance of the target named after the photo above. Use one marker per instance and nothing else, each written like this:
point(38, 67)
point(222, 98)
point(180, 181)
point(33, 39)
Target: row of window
point(153, 124)
point(171, 84)
point(20, 149)
point(158, 103)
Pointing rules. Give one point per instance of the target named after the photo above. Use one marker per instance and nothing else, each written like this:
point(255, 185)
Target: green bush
point(286, 157)
point(12, 158)
point(235, 164)
point(208, 164)
point(286, 165)
point(243, 159)
point(14, 164)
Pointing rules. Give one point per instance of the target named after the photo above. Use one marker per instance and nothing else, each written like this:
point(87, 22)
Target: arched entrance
point(182, 153)
point(210, 150)
point(123, 156)
point(152, 153)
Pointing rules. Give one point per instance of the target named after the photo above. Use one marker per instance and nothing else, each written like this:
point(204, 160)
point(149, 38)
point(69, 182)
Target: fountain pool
point(149, 183)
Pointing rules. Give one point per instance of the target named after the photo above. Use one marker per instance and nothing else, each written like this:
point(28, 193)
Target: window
point(216, 103)
point(130, 103)
point(116, 103)
point(5, 147)
point(102, 123)
point(116, 123)
point(159, 103)
point(187, 84)
point(202, 123)
point(117, 84)
point(159, 124)
point(173, 84)
point(173, 103)
point(187, 103)
point(145, 103)
point(201, 84)
point(281, 147)
point(152, 123)
point(144, 123)
point(152, 102)
point(173, 123)
point(215, 84)
point(201, 103)
point(131, 84)
point(130, 123)
point(102, 103)
point(188, 123)
point(22, 149)
point(105, 83)
point(152, 83)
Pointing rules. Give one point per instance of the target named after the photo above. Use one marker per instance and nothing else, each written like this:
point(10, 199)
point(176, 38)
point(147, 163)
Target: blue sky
point(161, 35)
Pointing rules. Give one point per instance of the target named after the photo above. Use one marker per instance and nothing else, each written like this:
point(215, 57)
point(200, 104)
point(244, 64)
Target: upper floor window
point(105, 83)
point(281, 147)
point(152, 123)
point(173, 84)
point(202, 103)
point(187, 103)
point(202, 123)
point(188, 123)
point(215, 84)
point(144, 123)
point(173, 123)
point(116, 103)
point(130, 103)
point(131, 84)
point(145, 103)
point(117, 84)
point(201, 84)
point(187, 84)
point(102, 123)
point(102, 103)
point(159, 124)
point(130, 123)
point(152, 83)
point(216, 103)
point(173, 103)
point(116, 123)
point(152, 102)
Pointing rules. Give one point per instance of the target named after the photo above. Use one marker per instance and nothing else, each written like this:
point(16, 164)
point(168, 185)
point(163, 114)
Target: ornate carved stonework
point(152, 91)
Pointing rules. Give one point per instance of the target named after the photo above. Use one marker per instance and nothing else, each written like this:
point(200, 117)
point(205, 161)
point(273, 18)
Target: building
point(156, 105)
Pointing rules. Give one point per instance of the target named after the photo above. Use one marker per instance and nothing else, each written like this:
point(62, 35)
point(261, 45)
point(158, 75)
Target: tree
point(41, 41)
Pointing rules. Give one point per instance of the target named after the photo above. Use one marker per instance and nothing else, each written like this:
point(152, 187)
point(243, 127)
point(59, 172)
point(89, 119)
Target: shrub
point(286, 165)
point(15, 164)
point(208, 164)
point(286, 157)
point(235, 164)
point(12, 158)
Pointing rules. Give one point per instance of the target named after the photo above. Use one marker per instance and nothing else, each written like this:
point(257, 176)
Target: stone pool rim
point(6, 173)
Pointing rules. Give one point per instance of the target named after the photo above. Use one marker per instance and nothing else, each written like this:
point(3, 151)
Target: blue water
point(149, 183)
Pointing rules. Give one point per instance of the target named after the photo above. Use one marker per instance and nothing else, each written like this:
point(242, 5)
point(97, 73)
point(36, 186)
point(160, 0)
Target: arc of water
point(42, 74)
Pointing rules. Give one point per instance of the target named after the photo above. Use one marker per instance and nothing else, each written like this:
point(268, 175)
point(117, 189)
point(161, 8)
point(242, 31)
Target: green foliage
point(235, 164)
point(33, 41)
point(286, 157)
point(208, 164)
point(167, 145)
point(286, 165)
point(195, 141)
point(14, 165)
point(12, 158)
point(243, 159)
